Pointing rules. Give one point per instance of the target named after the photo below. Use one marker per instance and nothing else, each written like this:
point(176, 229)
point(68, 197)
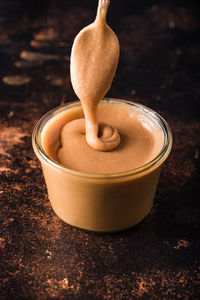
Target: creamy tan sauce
point(141, 140)
point(94, 59)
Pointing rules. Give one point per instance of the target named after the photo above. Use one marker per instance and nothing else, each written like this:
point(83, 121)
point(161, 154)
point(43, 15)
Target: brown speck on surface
point(2, 243)
point(16, 80)
point(37, 56)
point(171, 24)
point(165, 242)
point(142, 288)
point(9, 137)
point(181, 243)
point(39, 44)
point(23, 64)
point(57, 81)
point(196, 153)
point(46, 34)
point(17, 187)
point(49, 254)
point(41, 256)
point(5, 169)
point(133, 92)
point(64, 283)
point(10, 114)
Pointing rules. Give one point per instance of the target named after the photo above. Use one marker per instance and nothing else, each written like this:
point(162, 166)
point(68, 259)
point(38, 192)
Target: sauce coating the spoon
point(94, 59)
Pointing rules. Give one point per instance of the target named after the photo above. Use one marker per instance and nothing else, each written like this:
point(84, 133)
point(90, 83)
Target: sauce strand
point(94, 60)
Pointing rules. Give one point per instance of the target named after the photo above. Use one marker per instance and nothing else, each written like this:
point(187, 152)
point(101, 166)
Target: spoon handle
point(102, 9)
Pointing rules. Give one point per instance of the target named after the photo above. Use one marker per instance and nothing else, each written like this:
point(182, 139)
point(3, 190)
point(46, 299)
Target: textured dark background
point(43, 258)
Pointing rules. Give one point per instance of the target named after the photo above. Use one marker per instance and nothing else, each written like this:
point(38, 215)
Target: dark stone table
point(41, 256)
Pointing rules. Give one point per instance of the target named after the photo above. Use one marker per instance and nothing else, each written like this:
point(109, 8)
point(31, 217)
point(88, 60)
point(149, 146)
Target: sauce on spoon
point(94, 59)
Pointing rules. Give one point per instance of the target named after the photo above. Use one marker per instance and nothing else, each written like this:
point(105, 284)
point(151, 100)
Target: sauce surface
point(141, 140)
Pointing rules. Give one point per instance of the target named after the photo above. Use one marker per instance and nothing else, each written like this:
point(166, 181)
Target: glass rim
point(153, 164)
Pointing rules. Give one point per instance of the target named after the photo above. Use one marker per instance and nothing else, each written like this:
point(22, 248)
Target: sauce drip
point(94, 60)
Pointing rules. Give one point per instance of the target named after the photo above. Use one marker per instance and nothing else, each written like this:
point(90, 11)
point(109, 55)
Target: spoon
point(94, 59)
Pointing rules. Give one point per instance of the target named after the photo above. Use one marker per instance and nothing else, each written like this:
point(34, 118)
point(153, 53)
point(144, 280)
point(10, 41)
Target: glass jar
point(101, 203)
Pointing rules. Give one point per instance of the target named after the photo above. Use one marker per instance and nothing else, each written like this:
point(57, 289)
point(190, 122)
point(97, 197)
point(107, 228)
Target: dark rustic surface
point(43, 258)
